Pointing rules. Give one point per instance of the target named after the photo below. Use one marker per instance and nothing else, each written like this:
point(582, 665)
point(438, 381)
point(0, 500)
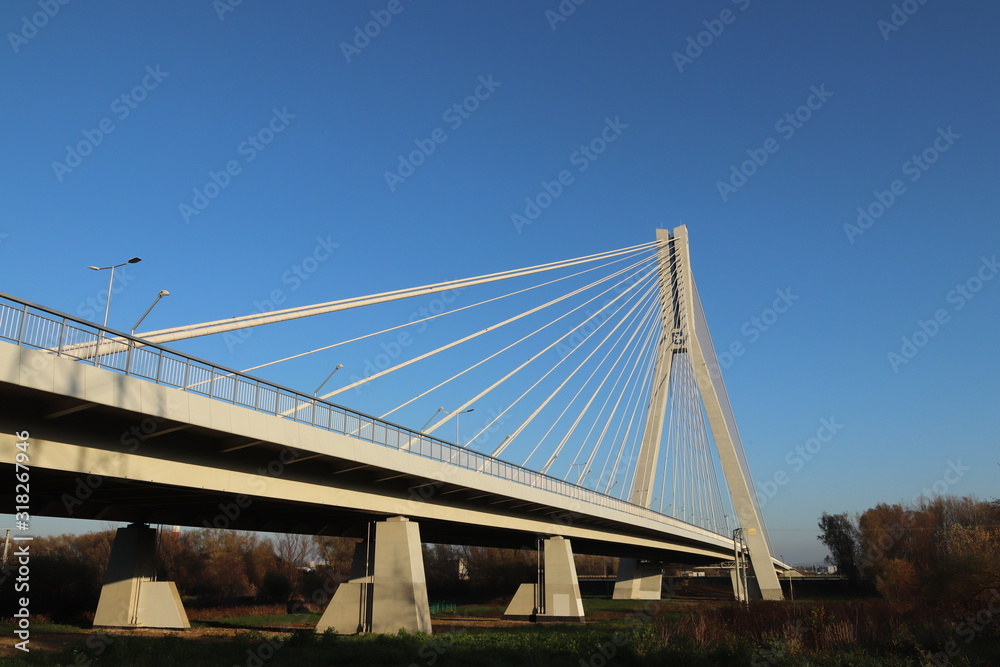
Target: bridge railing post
point(159, 365)
point(62, 336)
point(22, 324)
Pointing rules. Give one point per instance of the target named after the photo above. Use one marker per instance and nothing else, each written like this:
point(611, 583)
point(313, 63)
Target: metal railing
point(30, 325)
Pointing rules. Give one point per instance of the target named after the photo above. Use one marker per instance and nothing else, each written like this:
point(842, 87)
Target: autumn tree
point(495, 573)
point(336, 554)
point(217, 565)
point(71, 570)
point(944, 549)
point(841, 536)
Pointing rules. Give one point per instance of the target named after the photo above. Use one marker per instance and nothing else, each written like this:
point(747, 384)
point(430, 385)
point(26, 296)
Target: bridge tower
point(685, 330)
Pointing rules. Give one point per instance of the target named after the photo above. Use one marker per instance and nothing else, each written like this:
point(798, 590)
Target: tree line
point(223, 567)
point(940, 550)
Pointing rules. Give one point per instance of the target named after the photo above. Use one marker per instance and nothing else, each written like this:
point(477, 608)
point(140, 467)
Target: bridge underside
point(124, 449)
point(118, 500)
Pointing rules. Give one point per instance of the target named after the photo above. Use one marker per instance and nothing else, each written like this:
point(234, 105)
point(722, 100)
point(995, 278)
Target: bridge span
point(145, 434)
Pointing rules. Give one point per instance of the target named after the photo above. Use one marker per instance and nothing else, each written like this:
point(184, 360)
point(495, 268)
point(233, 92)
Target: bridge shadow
point(291, 627)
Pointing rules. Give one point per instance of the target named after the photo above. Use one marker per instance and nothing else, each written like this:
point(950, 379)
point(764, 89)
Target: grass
point(472, 611)
point(62, 628)
point(859, 633)
point(264, 621)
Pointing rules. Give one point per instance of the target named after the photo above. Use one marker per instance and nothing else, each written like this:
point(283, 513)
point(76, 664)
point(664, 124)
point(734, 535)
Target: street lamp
point(111, 281)
point(316, 393)
point(431, 419)
point(159, 296)
point(582, 475)
point(457, 414)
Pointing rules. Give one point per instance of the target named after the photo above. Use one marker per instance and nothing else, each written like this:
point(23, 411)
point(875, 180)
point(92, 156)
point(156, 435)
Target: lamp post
point(457, 415)
point(159, 296)
point(107, 304)
point(431, 419)
point(316, 393)
point(582, 474)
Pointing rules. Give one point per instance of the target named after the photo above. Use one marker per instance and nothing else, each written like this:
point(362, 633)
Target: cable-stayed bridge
point(615, 436)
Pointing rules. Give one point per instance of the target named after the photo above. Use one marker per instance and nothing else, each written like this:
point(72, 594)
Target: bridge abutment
point(556, 596)
point(387, 589)
point(130, 597)
point(638, 580)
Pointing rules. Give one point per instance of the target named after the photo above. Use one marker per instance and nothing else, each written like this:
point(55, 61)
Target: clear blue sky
point(209, 78)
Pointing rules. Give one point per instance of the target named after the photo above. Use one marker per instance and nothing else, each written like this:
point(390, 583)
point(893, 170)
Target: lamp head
point(94, 268)
point(134, 260)
point(164, 292)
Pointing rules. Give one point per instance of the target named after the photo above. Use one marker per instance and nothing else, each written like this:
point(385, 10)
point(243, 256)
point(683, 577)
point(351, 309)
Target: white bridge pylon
point(685, 338)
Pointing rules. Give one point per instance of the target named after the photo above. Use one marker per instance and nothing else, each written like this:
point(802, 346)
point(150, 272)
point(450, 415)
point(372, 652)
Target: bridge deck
point(173, 439)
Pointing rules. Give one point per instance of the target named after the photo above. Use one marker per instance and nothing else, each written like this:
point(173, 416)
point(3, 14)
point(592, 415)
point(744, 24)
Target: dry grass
point(215, 613)
point(822, 627)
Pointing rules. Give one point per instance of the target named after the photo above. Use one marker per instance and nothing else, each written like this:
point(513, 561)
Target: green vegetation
point(855, 633)
point(44, 627)
point(265, 621)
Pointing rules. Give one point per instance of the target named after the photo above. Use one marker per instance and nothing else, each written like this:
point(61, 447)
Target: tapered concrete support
point(524, 605)
point(637, 580)
point(557, 596)
point(350, 610)
point(722, 423)
point(130, 598)
point(387, 590)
